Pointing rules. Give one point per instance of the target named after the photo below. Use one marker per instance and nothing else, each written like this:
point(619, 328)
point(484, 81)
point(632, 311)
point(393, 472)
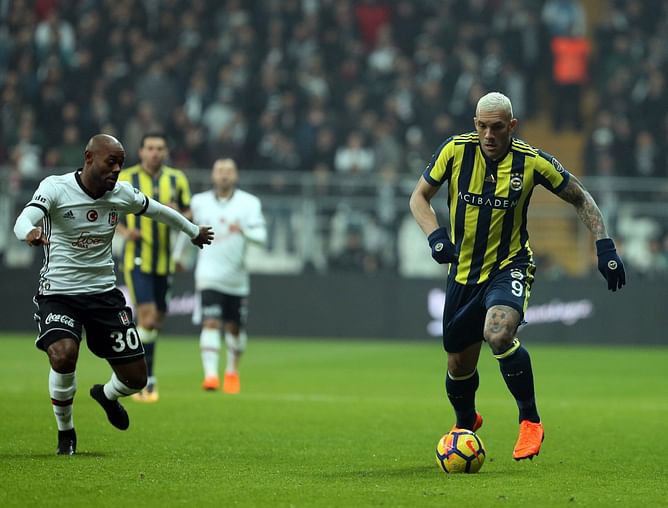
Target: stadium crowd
point(365, 88)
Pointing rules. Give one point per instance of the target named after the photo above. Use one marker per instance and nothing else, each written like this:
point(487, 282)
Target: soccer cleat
point(231, 382)
point(67, 442)
point(146, 396)
point(476, 425)
point(211, 383)
point(529, 441)
point(116, 414)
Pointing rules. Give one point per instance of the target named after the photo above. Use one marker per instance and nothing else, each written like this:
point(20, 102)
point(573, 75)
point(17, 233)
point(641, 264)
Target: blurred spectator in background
point(282, 85)
point(355, 157)
point(566, 22)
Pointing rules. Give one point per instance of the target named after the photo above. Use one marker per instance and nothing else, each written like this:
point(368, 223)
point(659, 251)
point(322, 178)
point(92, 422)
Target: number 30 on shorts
point(517, 287)
point(125, 339)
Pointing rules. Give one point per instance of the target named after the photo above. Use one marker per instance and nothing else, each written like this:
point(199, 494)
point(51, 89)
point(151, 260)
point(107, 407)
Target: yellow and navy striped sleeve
point(182, 190)
point(549, 173)
point(439, 169)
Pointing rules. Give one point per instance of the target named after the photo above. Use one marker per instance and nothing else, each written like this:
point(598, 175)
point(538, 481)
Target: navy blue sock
point(515, 365)
point(149, 349)
point(461, 393)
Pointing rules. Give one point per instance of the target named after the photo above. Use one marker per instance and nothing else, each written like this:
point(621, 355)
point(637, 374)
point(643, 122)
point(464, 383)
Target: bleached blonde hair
point(495, 101)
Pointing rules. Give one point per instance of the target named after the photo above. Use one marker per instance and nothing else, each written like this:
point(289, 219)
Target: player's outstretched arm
point(199, 235)
point(609, 263)
point(442, 249)
point(26, 230)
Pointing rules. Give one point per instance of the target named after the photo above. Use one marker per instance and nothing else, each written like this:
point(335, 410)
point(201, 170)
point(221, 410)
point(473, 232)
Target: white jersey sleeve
point(253, 225)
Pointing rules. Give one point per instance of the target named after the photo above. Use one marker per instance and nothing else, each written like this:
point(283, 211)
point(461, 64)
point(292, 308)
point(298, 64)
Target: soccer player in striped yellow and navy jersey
point(147, 256)
point(491, 176)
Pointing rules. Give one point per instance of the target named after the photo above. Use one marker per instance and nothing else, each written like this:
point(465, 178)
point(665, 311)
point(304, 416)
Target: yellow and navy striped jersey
point(152, 254)
point(488, 201)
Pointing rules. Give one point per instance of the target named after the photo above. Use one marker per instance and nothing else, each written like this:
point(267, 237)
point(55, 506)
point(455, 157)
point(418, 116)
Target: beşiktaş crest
point(113, 217)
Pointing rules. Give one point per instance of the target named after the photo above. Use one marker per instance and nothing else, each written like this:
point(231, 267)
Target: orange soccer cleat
point(211, 383)
point(231, 383)
point(529, 441)
point(476, 425)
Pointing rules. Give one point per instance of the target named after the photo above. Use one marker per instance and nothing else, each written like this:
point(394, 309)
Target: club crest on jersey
point(113, 217)
point(516, 183)
point(91, 215)
point(124, 317)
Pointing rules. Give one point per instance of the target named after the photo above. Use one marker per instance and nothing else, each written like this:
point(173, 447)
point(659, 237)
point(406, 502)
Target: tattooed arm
point(587, 209)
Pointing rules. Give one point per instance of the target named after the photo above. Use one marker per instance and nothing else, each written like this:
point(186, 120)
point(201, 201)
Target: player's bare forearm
point(587, 209)
point(420, 205)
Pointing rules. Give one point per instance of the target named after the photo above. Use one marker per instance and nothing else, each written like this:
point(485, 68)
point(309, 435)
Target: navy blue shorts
point(148, 288)
point(106, 318)
point(224, 307)
point(466, 306)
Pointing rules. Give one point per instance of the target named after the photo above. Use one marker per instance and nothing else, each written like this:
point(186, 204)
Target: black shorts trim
point(44, 341)
point(510, 304)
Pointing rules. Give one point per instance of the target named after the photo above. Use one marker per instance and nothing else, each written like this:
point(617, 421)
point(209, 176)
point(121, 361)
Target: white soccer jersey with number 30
point(80, 228)
point(221, 266)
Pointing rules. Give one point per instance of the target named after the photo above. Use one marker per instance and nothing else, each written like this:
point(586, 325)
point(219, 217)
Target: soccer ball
point(460, 451)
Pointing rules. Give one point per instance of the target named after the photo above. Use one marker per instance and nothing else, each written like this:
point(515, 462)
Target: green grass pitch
point(338, 423)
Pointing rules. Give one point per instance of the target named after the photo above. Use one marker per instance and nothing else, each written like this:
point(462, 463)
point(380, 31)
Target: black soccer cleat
point(67, 442)
point(116, 413)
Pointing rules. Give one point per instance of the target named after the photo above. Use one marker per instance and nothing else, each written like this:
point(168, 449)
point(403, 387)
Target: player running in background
point(77, 285)
point(491, 176)
point(147, 258)
point(221, 276)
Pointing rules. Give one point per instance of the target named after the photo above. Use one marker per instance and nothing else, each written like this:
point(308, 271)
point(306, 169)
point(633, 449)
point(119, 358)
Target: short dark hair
point(153, 135)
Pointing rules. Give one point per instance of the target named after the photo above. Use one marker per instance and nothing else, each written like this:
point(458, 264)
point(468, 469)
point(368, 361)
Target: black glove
point(442, 249)
point(610, 264)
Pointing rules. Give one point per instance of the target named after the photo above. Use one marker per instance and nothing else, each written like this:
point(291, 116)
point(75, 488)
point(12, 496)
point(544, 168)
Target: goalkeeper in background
point(491, 176)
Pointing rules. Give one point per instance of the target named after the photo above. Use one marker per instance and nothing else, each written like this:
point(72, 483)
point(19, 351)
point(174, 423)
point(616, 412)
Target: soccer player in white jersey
point(221, 276)
point(78, 213)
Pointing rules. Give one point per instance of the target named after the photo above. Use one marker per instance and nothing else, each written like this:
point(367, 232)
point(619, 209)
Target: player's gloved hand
point(442, 249)
point(610, 264)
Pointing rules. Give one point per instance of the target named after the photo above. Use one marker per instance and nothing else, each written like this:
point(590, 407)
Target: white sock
point(235, 346)
point(232, 360)
point(115, 388)
point(209, 344)
point(62, 388)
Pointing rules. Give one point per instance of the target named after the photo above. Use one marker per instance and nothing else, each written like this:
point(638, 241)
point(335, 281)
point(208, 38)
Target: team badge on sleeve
point(557, 165)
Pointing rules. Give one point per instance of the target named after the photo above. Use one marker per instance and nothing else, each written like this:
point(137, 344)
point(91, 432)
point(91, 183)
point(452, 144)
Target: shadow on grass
point(52, 455)
point(417, 471)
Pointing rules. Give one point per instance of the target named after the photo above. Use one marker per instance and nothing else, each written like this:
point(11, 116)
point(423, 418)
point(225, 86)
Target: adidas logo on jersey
point(69, 214)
